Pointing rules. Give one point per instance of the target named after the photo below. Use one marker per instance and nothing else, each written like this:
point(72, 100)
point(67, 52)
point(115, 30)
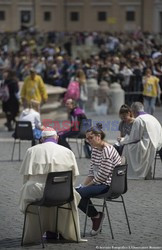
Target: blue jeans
point(89, 192)
point(149, 104)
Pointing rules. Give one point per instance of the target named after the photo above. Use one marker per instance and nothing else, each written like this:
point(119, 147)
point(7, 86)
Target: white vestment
point(140, 147)
point(38, 162)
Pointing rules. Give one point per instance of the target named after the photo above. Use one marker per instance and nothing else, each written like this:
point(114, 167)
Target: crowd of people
point(133, 60)
point(122, 57)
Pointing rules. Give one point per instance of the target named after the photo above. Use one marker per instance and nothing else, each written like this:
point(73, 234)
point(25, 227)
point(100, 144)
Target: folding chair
point(117, 188)
point(157, 157)
point(58, 191)
point(79, 139)
point(23, 132)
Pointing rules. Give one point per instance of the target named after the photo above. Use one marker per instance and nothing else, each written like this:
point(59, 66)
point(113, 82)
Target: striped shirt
point(103, 163)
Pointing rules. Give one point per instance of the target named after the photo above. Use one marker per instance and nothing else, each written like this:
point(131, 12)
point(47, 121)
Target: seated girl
point(32, 114)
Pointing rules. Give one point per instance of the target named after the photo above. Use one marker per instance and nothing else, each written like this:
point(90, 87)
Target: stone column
point(116, 94)
point(92, 90)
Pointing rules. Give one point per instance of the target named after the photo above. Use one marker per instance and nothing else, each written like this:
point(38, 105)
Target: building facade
point(81, 15)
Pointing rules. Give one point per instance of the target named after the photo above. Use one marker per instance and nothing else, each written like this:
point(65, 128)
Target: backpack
point(4, 92)
point(73, 91)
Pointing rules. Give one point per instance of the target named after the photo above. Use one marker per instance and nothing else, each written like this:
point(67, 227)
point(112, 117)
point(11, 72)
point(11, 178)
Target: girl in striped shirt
point(103, 161)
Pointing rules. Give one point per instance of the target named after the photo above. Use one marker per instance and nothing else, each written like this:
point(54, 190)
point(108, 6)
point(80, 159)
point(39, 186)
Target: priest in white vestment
point(38, 162)
point(141, 145)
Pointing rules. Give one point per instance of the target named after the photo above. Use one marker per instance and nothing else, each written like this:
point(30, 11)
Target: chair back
point(58, 189)
point(119, 182)
point(23, 130)
point(85, 124)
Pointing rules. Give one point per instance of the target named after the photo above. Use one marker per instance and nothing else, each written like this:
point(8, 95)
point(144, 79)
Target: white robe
point(38, 162)
point(140, 155)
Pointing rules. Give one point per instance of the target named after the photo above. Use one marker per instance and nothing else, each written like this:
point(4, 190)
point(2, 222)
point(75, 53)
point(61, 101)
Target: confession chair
point(117, 188)
point(58, 191)
point(79, 141)
point(23, 132)
point(157, 157)
point(80, 138)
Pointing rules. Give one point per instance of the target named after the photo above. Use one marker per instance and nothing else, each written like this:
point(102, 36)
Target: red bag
point(73, 91)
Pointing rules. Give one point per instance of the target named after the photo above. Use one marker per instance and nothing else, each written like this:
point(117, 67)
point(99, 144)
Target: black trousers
point(160, 153)
point(62, 138)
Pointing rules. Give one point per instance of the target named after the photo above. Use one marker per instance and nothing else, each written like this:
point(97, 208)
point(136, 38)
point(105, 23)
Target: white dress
point(38, 162)
point(146, 134)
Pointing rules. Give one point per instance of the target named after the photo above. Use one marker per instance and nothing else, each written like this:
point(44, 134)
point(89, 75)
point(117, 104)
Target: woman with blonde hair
point(81, 78)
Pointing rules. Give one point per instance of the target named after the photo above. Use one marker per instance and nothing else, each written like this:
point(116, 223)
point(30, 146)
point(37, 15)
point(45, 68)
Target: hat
point(48, 132)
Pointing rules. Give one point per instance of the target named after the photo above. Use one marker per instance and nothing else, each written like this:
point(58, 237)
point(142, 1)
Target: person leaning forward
point(141, 145)
point(33, 89)
point(38, 162)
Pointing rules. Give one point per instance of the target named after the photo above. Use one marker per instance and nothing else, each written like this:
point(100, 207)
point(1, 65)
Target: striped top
point(103, 163)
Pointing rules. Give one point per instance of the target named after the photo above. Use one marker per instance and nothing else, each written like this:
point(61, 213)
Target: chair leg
point(85, 223)
point(40, 227)
point(78, 147)
point(13, 150)
point(19, 150)
point(154, 168)
point(108, 216)
point(56, 219)
point(81, 148)
point(22, 238)
point(103, 208)
point(74, 223)
point(126, 214)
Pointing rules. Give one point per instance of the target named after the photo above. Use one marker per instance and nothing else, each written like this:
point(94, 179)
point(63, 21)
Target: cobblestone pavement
point(143, 202)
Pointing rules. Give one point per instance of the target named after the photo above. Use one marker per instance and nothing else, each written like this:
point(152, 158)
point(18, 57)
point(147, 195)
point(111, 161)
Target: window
point(130, 16)
point(47, 16)
point(2, 15)
point(102, 16)
point(74, 16)
point(25, 16)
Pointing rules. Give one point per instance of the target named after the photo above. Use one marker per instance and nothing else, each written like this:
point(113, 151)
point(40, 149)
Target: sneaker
point(51, 235)
point(97, 224)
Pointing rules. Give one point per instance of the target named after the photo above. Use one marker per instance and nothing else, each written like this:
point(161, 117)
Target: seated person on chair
point(38, 162)
point(32, 114)
point(103, 161)
point(141, 145)
point(76, 117)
